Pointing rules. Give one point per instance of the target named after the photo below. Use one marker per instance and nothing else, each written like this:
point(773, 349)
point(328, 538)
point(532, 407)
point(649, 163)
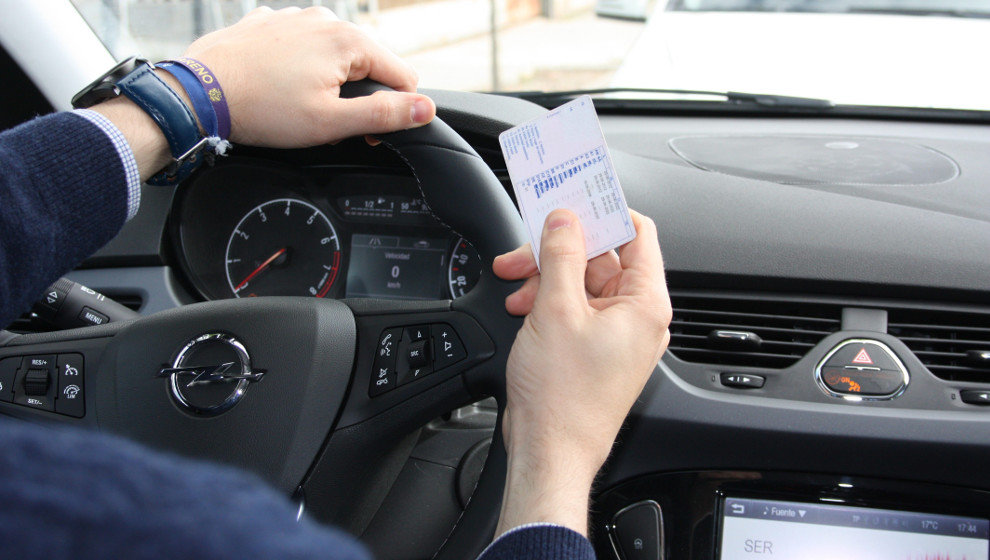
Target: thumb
point(562, 258)
point(381, 112)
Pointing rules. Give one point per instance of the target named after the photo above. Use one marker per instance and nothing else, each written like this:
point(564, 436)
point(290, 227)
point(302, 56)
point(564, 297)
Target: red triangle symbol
point(862, 357)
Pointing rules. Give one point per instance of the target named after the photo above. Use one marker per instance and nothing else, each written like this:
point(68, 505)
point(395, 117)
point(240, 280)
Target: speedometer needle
point(261, 268)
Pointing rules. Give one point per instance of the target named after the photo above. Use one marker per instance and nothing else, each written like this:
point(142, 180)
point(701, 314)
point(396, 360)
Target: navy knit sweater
point(67, 493)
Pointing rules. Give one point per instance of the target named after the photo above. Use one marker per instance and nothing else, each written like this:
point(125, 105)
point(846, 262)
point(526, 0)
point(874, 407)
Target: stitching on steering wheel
point(419, 185)
point(448, 148)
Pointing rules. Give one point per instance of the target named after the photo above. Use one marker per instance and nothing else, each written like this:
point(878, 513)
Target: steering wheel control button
point(862, 369)
point(383, 376)
point(419, 332)
point(71, 397)
point(37, 382)
point(412, 374)
point(210, 374)
point(637, 532)
point(418, 354)
point(383, 380)
point(447, 346)
point(33, 385)
point(8, 372)
point(388, 347)
point(742, 380)
point(975, 396)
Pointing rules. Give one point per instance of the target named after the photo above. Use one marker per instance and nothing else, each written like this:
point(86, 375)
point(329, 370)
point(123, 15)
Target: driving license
point(560, 160)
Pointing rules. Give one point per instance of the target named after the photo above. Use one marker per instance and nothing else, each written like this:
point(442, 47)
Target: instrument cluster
point(251, 228)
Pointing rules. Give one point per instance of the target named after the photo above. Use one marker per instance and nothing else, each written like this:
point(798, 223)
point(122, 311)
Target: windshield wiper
point(918, 12)
point(732, 97)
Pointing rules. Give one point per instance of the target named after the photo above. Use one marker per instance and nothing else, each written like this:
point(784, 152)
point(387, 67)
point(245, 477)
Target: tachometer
point(464, 269)
point(283, 247)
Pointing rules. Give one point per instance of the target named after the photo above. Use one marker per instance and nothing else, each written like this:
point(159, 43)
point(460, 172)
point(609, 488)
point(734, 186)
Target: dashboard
point(254, 228)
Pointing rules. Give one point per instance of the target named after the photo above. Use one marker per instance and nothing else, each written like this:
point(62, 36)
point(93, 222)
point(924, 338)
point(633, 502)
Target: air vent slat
point(800, 348)
point(749, 327)
point(941, 338)
point(950, 328)
point(949, 341)
point(786, 336)
point(759, 316)
point(940, 355)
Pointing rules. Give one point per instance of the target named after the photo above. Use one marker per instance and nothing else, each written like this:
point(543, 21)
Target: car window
point(910, 53)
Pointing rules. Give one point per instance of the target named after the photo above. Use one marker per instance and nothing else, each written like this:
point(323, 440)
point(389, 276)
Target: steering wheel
point(312, 394)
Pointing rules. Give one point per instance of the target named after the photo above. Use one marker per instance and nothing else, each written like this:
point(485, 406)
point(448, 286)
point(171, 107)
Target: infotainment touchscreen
point(766, 529)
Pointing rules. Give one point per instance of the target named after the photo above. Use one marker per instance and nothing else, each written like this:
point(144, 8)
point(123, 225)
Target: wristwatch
point(135, 78)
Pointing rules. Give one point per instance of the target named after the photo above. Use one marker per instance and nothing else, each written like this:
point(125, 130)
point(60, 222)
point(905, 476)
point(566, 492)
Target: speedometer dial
point(464, 269)
point(283, 247)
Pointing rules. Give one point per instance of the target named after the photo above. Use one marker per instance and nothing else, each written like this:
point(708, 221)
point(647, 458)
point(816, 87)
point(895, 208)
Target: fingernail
point(558, 220)
point(422, 111)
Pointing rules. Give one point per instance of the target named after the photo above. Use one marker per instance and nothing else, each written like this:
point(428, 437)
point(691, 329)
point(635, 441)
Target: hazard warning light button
point(862, 368)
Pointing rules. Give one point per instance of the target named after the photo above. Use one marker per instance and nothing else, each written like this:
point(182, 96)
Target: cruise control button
point(36, 372)
point(36, 382)
point(975, 396)
point(742, 380)
point(447, 346)
point(8, 371)
point(71, 396)
point(45, 401)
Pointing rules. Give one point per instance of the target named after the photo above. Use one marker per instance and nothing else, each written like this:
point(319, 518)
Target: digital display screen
point(394, 267)
point(765, 529)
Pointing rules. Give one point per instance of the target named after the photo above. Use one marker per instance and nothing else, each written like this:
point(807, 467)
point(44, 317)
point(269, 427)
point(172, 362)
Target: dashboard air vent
point(762, 332)
point(953, 345)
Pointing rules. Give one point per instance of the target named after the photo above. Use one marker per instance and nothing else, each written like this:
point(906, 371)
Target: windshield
point(964, 8)
point(906, 53)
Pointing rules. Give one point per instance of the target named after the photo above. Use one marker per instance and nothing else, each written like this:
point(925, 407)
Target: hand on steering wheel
point(288, 95)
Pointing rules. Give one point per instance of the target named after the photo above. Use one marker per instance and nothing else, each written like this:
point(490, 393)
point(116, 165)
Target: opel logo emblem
point(210, 374)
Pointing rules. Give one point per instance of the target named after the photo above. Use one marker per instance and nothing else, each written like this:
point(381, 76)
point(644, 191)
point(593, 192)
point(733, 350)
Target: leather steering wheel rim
point(458, 185)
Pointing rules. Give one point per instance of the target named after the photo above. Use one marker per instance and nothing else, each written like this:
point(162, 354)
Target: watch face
point(105, 87)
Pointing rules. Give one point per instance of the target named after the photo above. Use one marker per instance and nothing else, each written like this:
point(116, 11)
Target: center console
point(738, 515)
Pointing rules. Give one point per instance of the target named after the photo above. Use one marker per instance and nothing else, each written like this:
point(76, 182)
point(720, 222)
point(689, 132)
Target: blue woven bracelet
point(201, 103)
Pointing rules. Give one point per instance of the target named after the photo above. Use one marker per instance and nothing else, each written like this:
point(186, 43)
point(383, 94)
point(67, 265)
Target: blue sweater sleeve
point(68, 494)
point(540, 542)
point(63, 195)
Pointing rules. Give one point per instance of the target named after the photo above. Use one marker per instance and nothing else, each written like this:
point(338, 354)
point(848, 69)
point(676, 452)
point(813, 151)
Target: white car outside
point(859, 59)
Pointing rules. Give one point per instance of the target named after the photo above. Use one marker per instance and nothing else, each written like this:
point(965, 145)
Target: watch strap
point(174, 118)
